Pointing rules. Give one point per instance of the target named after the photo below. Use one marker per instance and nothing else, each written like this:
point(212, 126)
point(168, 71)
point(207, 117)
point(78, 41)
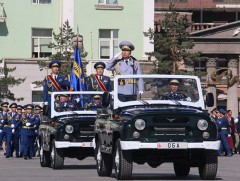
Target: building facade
point(26, 28)
point(215, 31)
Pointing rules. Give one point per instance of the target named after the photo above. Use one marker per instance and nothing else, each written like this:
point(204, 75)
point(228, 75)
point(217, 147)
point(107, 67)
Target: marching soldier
point(54, 82)
point(127, 65)
point(4, 125)
point(99, 82)
point(38, 113)
point(29, 122)
point(15, 119)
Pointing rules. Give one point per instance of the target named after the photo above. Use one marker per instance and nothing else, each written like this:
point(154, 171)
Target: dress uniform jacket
point(126, 86)
point(48, 87)
point(176, 96)
point(3, 126)
point(92, 84)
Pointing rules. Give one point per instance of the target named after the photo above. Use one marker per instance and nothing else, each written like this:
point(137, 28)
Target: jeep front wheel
point(181, 169)
point(44, 157)
point(208, 167)
point(123, 162)
point(104, 161)
point(57, 157)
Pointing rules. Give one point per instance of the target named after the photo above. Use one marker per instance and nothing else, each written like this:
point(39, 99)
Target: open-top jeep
point(69, 131)
point(157, 127)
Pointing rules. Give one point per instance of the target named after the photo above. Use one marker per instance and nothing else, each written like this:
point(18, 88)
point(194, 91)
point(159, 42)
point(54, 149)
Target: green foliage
point(172, 44)
point(9, 81)
point(64, 50)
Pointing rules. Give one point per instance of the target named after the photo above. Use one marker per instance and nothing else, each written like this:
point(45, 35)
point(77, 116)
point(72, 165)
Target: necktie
point(100, 77)
point(126, 62)
point(55, 77)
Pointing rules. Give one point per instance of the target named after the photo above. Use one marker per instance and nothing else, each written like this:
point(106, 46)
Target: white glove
point(117, 55)
point(65, 104)
point(36, 131)
point(45, 103)
point(0, 131)
point(229, 135)
point(28, 124)
point(13, 130)
point(2, 121)
point(140, 92)
point(12, 125)
point(188, 99)
point(77, 100)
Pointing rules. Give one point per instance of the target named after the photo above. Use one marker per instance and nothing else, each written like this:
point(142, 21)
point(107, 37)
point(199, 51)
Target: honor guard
point(3, 125)
point(54, 82)
point(174, 92)
point(38, 112)
point(99, 82)
point(223, 129)
point(29, 122)
point(14, 119)
point(127, 65)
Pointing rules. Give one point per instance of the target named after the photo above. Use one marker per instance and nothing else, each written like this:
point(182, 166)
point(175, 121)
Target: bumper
point(68, 144)
point(135, 145)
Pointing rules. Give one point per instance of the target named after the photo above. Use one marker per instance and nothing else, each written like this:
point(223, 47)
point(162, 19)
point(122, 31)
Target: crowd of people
point(228, 131)
point(19, 129)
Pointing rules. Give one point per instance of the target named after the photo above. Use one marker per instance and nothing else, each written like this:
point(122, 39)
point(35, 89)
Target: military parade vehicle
point(157, 127)
point(69, 130)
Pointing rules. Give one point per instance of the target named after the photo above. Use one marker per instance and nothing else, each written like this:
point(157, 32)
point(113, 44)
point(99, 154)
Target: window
point(108, 43)
point(37, 97)
point(42, 1)
point(107, 1)
point(40, 42)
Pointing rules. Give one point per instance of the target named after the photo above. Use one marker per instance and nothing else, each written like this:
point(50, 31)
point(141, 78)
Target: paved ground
point(18, 169)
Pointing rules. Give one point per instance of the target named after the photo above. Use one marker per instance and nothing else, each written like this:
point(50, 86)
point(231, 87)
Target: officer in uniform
point(95, 104)
point(14, 121)
point(127, 65)
point(4, 125)
point(54, 82)
point(174, 92)
point(38, 113)
point(29, 123)
point(63, 104)
point(99, 82)
point(223, 128)
point(19, 109)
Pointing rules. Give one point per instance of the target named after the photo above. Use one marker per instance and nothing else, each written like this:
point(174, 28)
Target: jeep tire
point(57, 157)
point(181, 169)
point(122, 162)
point(104, 161)
point(208, 168)
point(44, 156)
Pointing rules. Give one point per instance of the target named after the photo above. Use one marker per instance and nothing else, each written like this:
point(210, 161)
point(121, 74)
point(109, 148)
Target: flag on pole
point(77, 82)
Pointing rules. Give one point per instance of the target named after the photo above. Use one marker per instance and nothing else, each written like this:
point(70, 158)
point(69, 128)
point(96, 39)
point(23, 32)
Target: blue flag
point(77, 82)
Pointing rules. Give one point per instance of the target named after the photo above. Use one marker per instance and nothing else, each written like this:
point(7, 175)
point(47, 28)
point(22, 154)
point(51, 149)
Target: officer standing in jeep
point(127, 65)
point(53, 82)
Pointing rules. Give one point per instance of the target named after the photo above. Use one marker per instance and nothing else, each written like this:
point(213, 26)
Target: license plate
point(172, 145)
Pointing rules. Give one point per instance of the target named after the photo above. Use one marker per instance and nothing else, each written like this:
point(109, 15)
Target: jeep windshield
point(85, 102)
point(133, 90)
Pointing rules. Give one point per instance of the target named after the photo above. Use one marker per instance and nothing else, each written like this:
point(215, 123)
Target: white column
point(232, 96)
point(148, 22)
point(67, 12)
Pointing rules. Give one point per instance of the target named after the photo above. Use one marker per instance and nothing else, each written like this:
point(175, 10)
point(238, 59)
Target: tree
point(172, 44)
point(64, 50)
point(8, 81)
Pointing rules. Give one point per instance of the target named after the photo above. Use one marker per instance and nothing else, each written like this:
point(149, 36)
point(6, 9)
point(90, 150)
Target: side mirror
point(105, 99)
point(209, 99)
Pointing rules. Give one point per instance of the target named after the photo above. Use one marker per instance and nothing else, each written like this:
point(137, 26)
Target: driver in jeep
point(174, 92)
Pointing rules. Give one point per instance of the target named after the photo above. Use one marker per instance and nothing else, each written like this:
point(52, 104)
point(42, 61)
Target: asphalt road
point(18, 169)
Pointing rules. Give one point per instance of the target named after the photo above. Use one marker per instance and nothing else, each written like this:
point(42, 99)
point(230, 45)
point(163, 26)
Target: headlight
point(140, 124)
point(69, 128)
point(202, 124)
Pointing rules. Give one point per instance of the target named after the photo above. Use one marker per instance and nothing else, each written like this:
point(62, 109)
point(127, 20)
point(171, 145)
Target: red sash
point(54, 83)
point(104, 89)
